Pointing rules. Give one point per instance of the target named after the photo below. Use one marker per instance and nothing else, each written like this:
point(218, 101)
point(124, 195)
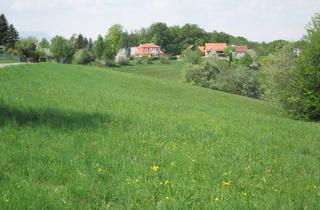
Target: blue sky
point(259, 20)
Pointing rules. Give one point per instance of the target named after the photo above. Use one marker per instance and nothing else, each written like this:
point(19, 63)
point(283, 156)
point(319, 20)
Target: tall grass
point(75, 137)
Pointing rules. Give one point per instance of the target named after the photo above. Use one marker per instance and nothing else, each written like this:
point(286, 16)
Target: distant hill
point(37, 34)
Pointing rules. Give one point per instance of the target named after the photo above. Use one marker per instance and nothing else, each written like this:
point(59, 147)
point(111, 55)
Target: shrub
point(122, 57)
point(220, 75)
point(27, 48)
point(82, 56)
point(149, 60)
point(201, 75)
point(139, 60)
point(164, 60)
point(246, 60)
point(173, 58)
point(192, 56)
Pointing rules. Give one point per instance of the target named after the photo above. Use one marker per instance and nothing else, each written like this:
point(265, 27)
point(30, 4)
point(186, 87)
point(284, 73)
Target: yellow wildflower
point(244, 193)
point(129, 180)
point(174, 147)
point(226, 183)
point(154, 168)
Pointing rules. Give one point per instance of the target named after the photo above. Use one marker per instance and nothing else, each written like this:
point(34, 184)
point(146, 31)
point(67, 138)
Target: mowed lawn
point(77, 137)
point(8, 61)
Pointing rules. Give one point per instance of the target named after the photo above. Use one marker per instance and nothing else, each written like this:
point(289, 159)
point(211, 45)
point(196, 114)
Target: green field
point(8, 61)
point(77, 137)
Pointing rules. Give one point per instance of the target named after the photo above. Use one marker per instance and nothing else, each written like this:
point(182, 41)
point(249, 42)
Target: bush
point(246, 60)
point(27, 48)
point(173, 58)
point(82, 56)
point(149, 60)
point(122, 57)
point(244, 81)
point(201, 75)
point(164, 60)
point(220, 75)
point(139, 60)
point(192, 56)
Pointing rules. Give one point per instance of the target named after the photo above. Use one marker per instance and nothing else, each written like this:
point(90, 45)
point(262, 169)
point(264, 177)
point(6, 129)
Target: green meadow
point(135, 137)
point(8, 61)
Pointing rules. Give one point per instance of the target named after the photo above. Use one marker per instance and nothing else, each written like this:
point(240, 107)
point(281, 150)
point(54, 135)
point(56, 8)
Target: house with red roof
point(148, 50)
point(216, 48)
point(240, 50)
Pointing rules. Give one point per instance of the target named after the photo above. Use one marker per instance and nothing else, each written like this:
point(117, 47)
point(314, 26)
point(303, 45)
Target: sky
point(257, 20)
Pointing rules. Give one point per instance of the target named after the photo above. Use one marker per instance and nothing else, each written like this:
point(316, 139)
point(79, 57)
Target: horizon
point(256, 20)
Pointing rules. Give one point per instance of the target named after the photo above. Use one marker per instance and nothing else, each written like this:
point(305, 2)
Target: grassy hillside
point(170, 71)
point(76, 137)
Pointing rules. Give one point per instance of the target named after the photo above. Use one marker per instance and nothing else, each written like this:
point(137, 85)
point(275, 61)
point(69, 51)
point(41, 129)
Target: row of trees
point(8, 34)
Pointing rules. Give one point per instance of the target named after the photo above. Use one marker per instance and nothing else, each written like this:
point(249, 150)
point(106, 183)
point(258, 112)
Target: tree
point(306, 89)
point(27, 47)
point(277, 71)
point(220, 37)
point(61, 49)
point(44, 44)
point(174, 46)
point(89, 46)
point(159, 33)
point(99, 47)
point(124, 42)
point(4, 29)
point(190, 33)
point(79, 41)
point(112, 40)
point(13, 37)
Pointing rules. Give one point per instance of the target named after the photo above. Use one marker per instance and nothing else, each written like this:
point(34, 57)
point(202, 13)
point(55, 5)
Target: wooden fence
point(9, 57)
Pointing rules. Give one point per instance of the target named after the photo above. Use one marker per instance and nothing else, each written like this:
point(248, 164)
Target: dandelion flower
point(226, 183)
point(154, 168)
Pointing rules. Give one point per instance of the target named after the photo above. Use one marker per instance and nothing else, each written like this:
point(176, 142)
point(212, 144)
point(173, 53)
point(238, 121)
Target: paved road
point(2, 65)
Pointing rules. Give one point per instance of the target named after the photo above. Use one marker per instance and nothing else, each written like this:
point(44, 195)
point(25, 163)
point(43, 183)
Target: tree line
point(172, 39)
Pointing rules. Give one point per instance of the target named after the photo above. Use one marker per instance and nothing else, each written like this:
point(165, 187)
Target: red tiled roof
point(146, 49)
point(150, 45)
point(215, 46)
point(241, 48)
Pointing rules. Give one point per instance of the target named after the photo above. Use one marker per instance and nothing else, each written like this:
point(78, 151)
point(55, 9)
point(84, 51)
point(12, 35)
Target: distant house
point(214, 48)
point(148, 49)
point(240, 50)
point(2, 47)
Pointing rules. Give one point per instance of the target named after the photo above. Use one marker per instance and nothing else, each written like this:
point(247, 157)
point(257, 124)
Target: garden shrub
point(164, 59)
point(82, 56)
point(220, 75)
point(139, 60)
point(122, 57)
